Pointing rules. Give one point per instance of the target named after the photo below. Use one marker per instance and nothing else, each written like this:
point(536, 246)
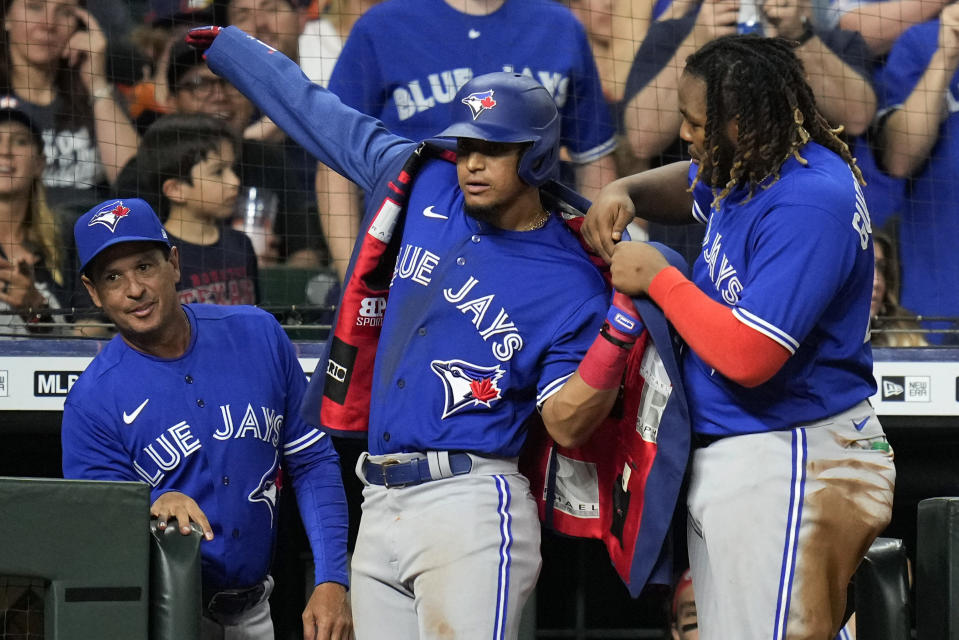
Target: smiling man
point(484, 305)
point(201, 402)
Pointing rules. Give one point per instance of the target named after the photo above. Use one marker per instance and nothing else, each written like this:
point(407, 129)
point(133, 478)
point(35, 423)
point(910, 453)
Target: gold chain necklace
point(538, 223)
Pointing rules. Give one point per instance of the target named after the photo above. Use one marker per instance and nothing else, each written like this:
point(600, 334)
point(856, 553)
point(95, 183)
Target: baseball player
point(492, 304)
point(793, 477)
point(201, 403)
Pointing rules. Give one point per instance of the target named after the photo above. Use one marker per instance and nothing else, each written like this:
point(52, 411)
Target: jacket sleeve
point(312, 464)
point(351, 143)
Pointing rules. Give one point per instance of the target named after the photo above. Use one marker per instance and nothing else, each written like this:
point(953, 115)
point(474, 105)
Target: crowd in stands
point(101, 99)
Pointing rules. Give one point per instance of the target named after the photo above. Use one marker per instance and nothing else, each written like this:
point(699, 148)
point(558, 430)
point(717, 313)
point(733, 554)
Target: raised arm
point(651, 115)
point(842, 88)
point(910, 132)
point(351, 143)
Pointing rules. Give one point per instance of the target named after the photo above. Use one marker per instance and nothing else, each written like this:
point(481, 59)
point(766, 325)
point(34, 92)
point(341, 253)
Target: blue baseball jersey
point(410, 86)
point(794, 262)
point(216, 424)
point(482, 323)
point(929, 226)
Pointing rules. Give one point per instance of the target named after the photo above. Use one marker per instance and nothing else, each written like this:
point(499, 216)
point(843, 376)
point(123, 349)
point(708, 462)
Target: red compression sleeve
point(732, 348)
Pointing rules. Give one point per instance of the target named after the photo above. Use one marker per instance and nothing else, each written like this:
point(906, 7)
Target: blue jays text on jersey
point(411, 89)
point(215, 424)
point(793, 262)
point(530, 297)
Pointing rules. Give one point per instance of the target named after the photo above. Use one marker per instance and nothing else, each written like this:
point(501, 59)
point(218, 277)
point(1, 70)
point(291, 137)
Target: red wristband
point(602, 366)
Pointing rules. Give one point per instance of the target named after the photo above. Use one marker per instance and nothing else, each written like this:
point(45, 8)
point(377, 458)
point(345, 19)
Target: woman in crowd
point(35, 274)
point(892, 325)
point(53, 59)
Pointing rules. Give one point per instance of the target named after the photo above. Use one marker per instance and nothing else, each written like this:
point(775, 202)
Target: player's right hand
point(201, 38)
point(607, 218)
point(183, 508)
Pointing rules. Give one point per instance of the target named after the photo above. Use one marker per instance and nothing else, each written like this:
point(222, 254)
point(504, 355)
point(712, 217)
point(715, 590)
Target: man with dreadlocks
point(792, 477)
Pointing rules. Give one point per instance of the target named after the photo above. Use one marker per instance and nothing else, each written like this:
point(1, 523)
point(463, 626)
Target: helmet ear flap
point(537, 164)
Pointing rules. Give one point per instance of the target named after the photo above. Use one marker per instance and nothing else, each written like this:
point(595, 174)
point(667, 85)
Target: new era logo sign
point(893, 389)
point(906, 389)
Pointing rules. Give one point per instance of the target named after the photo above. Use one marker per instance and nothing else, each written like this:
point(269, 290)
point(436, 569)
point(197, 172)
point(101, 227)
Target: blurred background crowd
point(101, 99)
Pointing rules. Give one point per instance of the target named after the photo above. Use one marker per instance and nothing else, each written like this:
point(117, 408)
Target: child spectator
point(184, 169)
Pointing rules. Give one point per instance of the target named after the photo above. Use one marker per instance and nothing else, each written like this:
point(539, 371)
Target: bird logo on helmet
point(522, 111)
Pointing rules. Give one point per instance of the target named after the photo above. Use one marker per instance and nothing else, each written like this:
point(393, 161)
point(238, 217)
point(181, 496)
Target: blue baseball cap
point(113, 222)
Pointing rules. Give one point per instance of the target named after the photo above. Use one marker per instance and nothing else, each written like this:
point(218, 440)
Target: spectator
point(35, 267)
point(270, 167)
point(185, 165)
point(164, 24)
point(53, 60)
point(881, 22)
point(892, 325)
point(408, 79)
point(836, 64)
point(920, 121)
point(615, 29)
point(322, 39)
point(200, 402)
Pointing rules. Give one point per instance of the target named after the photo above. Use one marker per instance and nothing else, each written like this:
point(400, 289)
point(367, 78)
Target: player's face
point(212, 194)
point(692, 106)
point(135, 285)
point(492, 190)
point(878, 280)
point(38, 30)
point(686, 626)
point(202, 91)
point(21, 160)
point(275, 22)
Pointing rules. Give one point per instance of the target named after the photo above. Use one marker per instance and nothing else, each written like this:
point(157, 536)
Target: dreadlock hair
point(761, 82)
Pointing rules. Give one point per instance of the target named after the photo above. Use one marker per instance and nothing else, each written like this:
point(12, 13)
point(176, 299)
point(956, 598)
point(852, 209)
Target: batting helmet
point(510, 107)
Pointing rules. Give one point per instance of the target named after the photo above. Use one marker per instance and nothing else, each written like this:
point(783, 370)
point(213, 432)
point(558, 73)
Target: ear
point(174, 261)
point(92, 290)
point(732, 130)
point(173, 189)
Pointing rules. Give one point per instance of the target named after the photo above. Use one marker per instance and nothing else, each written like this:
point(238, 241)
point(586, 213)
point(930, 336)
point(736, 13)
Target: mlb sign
point(905, 389)
point(53, 383)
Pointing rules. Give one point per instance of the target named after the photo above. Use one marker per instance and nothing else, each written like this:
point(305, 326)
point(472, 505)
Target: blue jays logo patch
point(479, 102)
point(110, 215)
point(267, 491)
point(467, 385)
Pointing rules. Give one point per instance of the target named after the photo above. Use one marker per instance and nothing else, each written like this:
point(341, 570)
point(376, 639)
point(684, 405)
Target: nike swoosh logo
point(128, 418)
point(429, 213)
point(860, 425)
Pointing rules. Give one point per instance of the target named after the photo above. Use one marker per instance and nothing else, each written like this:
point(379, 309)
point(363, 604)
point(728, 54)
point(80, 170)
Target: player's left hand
point(327, 615)
point(633, 267)
point(201, 38)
